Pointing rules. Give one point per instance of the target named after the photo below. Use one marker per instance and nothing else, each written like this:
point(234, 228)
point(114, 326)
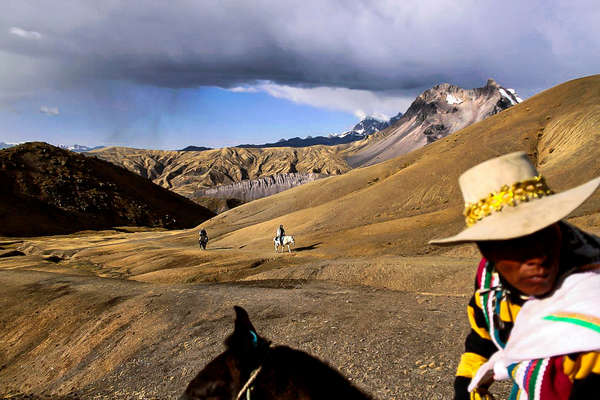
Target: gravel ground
point(59, 340)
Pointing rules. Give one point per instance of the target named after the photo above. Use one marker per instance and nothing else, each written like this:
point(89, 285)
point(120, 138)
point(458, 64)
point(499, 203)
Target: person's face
point(529, 263)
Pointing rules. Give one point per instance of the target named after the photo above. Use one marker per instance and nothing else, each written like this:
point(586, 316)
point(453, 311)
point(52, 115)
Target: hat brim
point(525, 218)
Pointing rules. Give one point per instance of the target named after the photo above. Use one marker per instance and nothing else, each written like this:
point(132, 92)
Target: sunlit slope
point(396, 206)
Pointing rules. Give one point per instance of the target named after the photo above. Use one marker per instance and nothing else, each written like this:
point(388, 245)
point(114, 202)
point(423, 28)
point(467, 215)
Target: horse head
point(250, 368)
point(224, 377)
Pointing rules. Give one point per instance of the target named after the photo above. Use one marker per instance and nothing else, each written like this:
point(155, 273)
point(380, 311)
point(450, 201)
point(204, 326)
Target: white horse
point(287, 240)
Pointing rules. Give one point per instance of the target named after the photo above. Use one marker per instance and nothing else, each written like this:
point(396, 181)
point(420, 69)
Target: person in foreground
point(535, 312)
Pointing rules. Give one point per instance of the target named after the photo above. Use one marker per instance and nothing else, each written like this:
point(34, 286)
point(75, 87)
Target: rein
point(248, 386)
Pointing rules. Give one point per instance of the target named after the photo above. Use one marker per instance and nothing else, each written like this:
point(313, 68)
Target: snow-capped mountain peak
point(453, 100)
point(367, 126)
point(436, 113)
point(511, 95)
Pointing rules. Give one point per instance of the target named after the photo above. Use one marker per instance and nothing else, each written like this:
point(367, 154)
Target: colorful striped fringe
point(491, 292)
point(539, 379)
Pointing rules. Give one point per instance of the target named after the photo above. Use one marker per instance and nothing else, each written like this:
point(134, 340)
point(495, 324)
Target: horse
point(202, 242)
point(287, 240)
point(251, 368)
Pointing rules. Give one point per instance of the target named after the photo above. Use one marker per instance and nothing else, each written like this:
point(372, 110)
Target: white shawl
point(566, 322)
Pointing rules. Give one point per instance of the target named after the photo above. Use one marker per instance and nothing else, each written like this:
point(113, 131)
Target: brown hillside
point(396, 206)
point(48, 190)
point(186, 171)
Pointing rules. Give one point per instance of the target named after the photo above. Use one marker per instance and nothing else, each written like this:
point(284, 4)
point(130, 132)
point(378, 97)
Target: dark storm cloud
point(371, 45)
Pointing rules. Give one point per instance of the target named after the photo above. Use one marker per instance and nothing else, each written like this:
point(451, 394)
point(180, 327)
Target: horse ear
point(242, 320)
point(244, 337)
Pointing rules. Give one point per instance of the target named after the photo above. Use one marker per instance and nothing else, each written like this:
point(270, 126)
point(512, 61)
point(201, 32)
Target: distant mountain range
point(450, 96)
point(364, 128)
point(77, 148)
point(185, 172)
point(434, 114)
point(396, 207)
point(196, 148)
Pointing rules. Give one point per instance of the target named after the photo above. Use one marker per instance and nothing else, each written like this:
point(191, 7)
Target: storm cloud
point(375, 46)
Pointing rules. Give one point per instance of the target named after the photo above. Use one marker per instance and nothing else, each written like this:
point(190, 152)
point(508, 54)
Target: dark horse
point(203, 241)
point(250, 368)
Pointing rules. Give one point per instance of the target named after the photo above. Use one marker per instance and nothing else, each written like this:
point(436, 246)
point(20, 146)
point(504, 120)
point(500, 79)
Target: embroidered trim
point(519, 192)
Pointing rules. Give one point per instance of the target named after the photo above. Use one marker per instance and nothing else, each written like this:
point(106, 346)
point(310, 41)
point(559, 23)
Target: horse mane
point(309, 374)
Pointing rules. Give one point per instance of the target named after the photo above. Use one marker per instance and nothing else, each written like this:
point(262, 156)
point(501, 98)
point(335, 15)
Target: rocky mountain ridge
point(434, 114)
point(187, 172)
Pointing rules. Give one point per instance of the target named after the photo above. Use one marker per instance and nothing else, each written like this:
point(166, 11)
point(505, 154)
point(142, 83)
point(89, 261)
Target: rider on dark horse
point(203, 239)
point(280, 234)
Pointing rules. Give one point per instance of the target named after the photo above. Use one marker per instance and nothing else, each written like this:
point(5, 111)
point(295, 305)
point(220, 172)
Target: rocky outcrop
point(253, 189)
point(186, 172)
point(434, 114)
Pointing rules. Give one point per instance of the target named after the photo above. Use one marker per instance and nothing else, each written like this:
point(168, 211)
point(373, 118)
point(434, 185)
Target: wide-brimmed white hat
point(506, 198)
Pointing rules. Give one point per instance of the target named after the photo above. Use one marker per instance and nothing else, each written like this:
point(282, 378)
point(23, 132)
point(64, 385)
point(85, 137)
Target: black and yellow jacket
point(492, 311)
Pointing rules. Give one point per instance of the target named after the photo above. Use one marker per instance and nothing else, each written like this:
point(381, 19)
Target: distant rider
point(280, 234)
point(203, 239)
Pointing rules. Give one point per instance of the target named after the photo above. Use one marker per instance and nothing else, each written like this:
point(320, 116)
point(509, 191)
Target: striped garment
point(549, 378)
point(492, 311)
point(540, 379)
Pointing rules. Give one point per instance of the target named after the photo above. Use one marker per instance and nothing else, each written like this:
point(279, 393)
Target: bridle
point(248, 386)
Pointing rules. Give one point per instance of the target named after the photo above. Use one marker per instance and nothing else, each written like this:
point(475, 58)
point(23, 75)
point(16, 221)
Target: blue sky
point(164, 118)
point(165, 75)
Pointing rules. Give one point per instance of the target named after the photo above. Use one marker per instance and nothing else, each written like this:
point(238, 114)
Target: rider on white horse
point(280, 234)
point(287, 241)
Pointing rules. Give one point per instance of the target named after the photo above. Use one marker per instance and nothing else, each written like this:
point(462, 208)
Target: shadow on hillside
point(310, 247)
point(219, 248)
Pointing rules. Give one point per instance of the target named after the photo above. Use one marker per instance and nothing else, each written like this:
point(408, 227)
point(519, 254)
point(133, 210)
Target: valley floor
point(78, 321)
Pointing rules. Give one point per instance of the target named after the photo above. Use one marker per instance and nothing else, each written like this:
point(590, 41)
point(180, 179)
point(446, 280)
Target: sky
point(168, 74)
